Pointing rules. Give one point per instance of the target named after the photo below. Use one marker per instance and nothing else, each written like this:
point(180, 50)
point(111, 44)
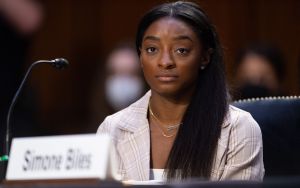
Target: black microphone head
point(60, 63)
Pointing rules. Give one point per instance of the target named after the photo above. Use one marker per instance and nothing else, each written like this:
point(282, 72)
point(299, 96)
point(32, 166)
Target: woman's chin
point(168, 92)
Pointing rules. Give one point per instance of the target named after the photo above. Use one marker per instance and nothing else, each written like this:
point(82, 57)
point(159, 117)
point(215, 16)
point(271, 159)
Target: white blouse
point(157, 174)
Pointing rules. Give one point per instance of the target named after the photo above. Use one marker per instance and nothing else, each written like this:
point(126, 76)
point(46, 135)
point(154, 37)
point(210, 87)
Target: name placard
point(62, 157)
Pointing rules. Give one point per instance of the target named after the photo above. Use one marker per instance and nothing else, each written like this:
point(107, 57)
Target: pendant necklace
point(169, 127)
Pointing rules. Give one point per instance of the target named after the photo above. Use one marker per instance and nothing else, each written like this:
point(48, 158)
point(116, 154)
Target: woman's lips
point(167, 78)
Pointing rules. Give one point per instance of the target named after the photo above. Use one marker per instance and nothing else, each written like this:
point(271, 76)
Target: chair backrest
point(279, 120)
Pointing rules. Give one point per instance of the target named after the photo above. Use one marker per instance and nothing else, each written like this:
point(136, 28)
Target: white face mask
point(122, 90)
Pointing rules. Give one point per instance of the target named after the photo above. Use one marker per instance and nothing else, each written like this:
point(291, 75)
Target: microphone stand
point(59, 63)
point(11, 107)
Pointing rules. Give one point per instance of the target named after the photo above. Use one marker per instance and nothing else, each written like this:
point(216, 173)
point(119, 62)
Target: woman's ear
point(205, 60)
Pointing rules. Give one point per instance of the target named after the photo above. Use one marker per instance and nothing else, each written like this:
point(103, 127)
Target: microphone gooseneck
point(59, 63)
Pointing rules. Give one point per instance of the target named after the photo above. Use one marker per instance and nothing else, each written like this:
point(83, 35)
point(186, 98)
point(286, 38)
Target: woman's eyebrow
point(150, 37)
point(183, 37)
point(180, 37)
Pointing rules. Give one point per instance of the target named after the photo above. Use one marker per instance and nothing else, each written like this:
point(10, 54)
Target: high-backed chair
point(279, 120)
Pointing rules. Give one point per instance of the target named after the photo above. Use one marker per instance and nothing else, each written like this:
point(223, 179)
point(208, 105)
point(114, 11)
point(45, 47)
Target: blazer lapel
point(134, 144)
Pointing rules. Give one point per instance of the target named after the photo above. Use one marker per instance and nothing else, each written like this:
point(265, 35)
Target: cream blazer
point(239, 154)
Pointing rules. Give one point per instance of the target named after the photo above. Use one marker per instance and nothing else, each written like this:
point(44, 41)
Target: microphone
point(59, 63)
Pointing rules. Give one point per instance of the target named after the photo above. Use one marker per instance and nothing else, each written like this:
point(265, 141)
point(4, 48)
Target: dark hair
point(270, 52)
point(194, 148)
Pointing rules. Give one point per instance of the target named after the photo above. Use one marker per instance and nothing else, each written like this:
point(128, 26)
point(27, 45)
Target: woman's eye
point(151, 50)
point(182, 50)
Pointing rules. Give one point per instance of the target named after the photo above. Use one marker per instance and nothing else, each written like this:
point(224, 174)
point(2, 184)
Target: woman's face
point(171, 57)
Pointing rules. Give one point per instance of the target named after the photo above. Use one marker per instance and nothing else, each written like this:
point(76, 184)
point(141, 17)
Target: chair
point(279, 120)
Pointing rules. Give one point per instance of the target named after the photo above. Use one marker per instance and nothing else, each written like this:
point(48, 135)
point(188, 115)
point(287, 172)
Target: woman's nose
point(166, 61)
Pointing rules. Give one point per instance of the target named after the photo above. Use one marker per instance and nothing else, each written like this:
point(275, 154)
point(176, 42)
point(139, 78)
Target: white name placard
point(62, 157)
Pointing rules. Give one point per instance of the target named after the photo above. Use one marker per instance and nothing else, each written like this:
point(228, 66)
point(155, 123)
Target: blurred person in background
point(19, 20)
point(259, 72)
point(124, 83)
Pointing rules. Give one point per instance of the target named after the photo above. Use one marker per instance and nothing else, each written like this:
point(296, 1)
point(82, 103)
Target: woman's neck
point(169, 110)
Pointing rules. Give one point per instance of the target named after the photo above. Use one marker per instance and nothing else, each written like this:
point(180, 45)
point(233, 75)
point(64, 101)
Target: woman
point(184, 126)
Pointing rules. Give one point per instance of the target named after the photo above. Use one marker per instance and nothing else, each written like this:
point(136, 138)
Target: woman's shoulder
point(126, 116)
point(242, 121)
point(111, 121)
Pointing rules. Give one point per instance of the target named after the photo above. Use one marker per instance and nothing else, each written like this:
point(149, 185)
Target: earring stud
point(202, 67)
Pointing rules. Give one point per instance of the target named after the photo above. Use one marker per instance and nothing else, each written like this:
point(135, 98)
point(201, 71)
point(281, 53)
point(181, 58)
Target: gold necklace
point(169, 128)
